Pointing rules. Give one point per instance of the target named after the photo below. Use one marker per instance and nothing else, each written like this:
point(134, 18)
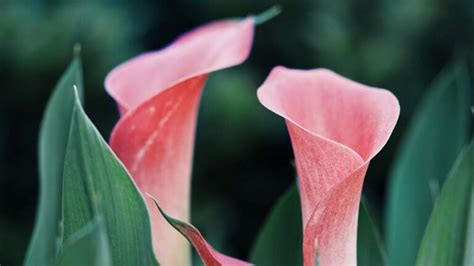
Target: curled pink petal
point(208, 255)
point(336, 127)
point(158, 96)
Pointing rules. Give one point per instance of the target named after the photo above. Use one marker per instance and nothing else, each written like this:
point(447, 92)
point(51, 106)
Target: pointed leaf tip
point(157, 205)
point(267, 14)
point(76, 93)
point(207, 253)
point(53, 138)
point(77, 99)
point(90, 167)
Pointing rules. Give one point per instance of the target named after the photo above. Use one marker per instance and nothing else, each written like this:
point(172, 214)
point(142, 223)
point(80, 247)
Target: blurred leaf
point(280, 240)
point(445, 238)
point(96, 183)
point(52, 148)
point(468, 250)
point(438, 132)
point(88, 246)
point(267, 15)
point(370, 250)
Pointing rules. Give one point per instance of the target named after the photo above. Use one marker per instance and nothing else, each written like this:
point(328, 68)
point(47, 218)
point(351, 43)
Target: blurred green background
point(243, 158)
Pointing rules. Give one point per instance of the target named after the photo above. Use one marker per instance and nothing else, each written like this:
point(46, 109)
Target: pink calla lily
point(336, 127)
point(158, 96)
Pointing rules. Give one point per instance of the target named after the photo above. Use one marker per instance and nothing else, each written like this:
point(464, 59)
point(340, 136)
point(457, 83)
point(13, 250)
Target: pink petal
point(336, 127)
point(209, 256)
point(158, 95)
point(208, 48)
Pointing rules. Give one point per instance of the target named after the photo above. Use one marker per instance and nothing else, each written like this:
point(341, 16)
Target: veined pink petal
point(208, 254)
point(158, 95)
point(336, 127)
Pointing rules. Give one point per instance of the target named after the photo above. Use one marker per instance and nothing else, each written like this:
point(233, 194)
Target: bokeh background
point(243, 158)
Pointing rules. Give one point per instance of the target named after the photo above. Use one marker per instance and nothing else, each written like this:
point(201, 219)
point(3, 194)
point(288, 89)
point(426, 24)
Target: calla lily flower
point(158, 96)
point(336, 127)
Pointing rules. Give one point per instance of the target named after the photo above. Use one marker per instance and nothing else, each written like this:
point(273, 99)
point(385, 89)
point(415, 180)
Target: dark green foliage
point(96, 183)
point(281, 238)
point(370, 250)
point(399, 45)
point(88, 246)
point(438, 132)
point(81, 179)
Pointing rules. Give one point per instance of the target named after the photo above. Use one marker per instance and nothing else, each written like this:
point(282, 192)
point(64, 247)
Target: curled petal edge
point(158, 96)
point(336, 127)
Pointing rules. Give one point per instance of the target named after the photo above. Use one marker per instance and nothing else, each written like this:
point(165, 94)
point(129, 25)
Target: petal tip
point(213, 46)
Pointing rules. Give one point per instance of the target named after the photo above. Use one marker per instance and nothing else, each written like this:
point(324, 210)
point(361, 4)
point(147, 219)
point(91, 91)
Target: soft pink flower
point(336, 127)
point(158, 96)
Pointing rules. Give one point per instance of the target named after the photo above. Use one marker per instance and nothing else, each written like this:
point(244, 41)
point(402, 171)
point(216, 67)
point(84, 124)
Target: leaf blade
point(280, 240)
point(437, 134)
point(88, 246)
point(446, 238)
point(370, 250)
point(53, 137)
point(96, 183)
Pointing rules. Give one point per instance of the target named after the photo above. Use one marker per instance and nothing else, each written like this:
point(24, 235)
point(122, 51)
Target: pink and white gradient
point(336, 127)
point(158, 96)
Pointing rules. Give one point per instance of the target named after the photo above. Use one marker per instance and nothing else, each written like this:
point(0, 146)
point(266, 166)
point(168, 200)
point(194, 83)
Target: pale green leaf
point(53, 137)
point(447, 234)
point(436, 135)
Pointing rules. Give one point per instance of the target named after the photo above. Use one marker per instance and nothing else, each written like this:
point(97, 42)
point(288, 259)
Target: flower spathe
point(158, 97)
point(336, 127)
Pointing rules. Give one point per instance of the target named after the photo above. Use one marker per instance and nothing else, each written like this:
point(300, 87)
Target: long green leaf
point(446, 236)
point(468, 251)
point(88, 246)
point(281, 238)
point(370, 250)
point(96, 183)
point(54, 132)
point(436, 136)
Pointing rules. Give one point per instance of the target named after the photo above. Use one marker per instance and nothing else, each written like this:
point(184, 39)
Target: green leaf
point(437, 134)
point(54, 132)
point(281, 238)
point(96, 183)
point(88, 246)
point(446, 237)
point(468, 251)
point(370, 250)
